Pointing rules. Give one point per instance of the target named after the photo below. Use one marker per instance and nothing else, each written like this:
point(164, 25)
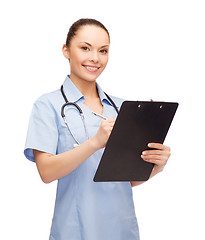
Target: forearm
point(52, 167)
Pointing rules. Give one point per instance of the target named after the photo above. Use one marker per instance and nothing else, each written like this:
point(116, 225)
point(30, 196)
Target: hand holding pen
point(104, 131)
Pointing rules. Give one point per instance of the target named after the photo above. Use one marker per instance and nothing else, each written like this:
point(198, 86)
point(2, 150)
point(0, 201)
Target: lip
point(91, 68)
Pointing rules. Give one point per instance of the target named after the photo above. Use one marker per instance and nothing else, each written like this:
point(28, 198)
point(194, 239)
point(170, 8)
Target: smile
point(91, 68)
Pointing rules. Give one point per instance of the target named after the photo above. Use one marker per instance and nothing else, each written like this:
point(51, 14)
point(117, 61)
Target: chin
point(90, 77)
point(86, 76)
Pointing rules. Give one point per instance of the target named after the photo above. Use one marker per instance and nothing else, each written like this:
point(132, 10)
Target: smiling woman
point(84, 209)
point(88, 58)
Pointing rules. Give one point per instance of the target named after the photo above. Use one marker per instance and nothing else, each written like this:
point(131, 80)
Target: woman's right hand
point(101, 138)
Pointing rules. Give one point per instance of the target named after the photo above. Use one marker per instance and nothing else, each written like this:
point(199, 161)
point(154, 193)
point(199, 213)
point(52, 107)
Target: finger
point(156, 162)
point(110, 119)
point(156, 159)
point(152, 152)
point(158, 146)
point(109, 128)
point(151, 157)
point(108, 125)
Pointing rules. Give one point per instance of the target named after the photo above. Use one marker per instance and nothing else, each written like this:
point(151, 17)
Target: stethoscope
point(67, 103)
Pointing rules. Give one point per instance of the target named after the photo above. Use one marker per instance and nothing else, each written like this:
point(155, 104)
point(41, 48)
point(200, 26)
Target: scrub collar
point(73, 93)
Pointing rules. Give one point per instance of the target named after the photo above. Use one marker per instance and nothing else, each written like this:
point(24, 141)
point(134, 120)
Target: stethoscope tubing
point(82, 117)
point(67, 103)
point(70, 103)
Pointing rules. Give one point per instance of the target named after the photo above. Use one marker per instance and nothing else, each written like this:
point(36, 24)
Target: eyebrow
point(91, 45)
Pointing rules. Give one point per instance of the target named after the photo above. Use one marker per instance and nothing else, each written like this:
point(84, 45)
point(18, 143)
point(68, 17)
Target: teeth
point(91, 68)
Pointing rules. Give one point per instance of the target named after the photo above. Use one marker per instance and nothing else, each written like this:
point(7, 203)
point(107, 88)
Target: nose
point(94, 57)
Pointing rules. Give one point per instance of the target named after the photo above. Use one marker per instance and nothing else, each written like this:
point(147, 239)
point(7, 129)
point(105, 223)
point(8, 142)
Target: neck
point(88, 89)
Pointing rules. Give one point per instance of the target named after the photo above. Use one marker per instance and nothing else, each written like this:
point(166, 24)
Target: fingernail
point(149, 145)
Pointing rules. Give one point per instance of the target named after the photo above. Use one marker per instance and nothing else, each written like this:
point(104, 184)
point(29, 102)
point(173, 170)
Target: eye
point(104, 51)
point(85, 48)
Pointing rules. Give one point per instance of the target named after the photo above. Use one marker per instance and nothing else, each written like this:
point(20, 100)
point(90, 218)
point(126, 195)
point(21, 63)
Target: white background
point(157, 51)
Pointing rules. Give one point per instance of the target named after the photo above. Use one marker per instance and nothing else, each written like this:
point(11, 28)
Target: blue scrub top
point(84, 209)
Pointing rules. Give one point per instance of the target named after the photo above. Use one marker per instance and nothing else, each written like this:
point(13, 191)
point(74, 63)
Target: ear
point(65, 51)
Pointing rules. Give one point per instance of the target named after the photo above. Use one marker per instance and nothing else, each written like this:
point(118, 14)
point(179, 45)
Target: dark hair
point(82, 22)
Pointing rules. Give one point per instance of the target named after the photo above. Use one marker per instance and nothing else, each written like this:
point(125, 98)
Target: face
point(87, 53)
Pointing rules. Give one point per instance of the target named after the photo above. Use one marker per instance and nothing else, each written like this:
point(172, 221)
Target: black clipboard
point(138, 123)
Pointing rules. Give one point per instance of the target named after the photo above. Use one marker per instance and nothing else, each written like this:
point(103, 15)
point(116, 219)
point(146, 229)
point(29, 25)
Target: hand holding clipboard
point(137, 124)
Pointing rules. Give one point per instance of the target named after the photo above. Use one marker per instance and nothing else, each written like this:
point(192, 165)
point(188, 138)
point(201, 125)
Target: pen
point(99, 115)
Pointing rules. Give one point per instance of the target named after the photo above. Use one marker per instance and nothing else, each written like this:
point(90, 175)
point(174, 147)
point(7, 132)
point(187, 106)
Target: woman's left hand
point(159, 156)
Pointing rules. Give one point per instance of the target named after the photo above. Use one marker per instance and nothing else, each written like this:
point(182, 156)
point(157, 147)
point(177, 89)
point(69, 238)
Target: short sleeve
point(42, 132)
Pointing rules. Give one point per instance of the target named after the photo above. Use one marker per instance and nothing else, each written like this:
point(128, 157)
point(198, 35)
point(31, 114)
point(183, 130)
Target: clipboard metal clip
point(161, 106)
